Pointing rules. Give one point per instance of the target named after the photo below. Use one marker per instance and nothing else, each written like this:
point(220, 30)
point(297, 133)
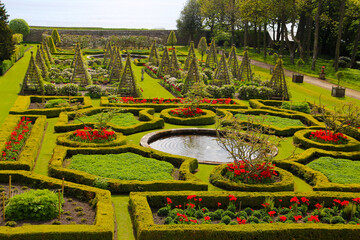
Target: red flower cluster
point(240, 170)
point(314, 219)
point(342, 203)
point(186, 112)
point(93, 136)
point(131, 100)
point(283, 218)
point(327, 136)
point(240, 221)
point(17, 140)
point(297, 218)
point(232, 198)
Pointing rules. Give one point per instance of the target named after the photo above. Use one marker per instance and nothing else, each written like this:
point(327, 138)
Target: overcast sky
point(97, 13)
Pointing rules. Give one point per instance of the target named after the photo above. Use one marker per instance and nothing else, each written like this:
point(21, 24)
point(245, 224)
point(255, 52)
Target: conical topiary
point(107, 51)
point(278, 82)
point(245, 69)
point(222, 72)
point(211, 59)
point(172, 39)
point(174, 65)
point(165, 64)
point(153, 56)
point(127, 85)
point(40, 62)
point(192, 77)
point(76, 52)
point(190, 56)
point(80, 73)
point(117, 68)
point(233, 62)
point(45, 56)
point(33, 82)
point(47, 50)
point(51, 44)
point(112, 57)
point(56, 37)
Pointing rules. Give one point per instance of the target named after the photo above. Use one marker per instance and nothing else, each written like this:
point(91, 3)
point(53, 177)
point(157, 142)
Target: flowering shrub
point(240, 172)
point(186, 112)
point(17, 140)
point(327, 136)
point(131, 100)
point(89, 135)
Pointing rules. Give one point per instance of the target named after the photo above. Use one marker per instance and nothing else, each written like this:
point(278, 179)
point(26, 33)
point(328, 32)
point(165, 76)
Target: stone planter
point(338, 91)
point(297, 78)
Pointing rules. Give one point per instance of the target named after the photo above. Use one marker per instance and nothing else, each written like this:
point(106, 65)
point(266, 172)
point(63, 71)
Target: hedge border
point(65, 140)
point(102, 229)
point(146, 116)
point(207, 118)
point(301, 137)
point(186, 166)
point(104, 101)
point(22, 103)
point(217, 179)
point(317, 179)
point(31, 148)
point(289, 131)
point(146, 229)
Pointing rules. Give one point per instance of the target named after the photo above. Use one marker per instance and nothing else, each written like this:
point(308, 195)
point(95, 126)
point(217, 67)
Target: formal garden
point(138, 137)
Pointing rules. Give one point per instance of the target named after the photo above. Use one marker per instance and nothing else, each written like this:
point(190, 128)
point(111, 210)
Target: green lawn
point(120, 119)
point(271, 120)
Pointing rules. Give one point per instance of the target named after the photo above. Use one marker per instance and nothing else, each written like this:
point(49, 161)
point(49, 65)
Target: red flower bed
point(327, 136)
point(239, 173)
point(186, 112)
point(89, 135)
point(131, 100)
point(17, 140)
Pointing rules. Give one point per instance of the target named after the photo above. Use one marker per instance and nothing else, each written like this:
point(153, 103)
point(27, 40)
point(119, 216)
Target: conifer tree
point(192, 77)
point(233, 62)
point(278, 82)
point(172, 39)
point(127, 85)
point(33, 82)
point(222, 72)
point(7, 46)
point(165, 64)
point(153, 56)
point(202, 47)
point(245, 69)
point(40, 62)
point(56, 37)
point(211, 59)
point(190, 56)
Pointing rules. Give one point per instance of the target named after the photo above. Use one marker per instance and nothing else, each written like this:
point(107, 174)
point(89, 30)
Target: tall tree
point(354, 8)
point(212, 12)
point(232, 15)
point(316, 35)
point(6, 44)
point(190, 22)
point(340, 28)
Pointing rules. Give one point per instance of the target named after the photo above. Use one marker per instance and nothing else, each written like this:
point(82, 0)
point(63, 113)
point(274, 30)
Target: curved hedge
point(140, 205)
point(317, 179)
point(146, 116)
point(31, 148)
point(186, 166)
point(302, 138)
point(66, 141)
point(102, 229)
point(217, 179)
point(207, 118)
point(22, 103)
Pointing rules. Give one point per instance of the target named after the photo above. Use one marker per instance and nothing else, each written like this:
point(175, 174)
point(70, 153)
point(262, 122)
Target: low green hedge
point(238, 104)
point(102, 229)
point(145, 229)
point(31, 148)
point(318, 180)
point(146, 116)
point(302, 138)
point(273, 105)
point(217, 179)
point(188, 181)
point(289, 131)
point(207, 118)
point(66, 141)
point(22, 103)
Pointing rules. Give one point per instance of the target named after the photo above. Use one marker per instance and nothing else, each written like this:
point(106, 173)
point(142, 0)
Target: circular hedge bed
point(207, 118)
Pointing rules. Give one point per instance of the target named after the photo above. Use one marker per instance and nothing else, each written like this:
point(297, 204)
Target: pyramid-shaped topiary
point(174, 65)
point(77, 51)
point(48, 52)
point(56, 37)
point(192, 77)
point(190, 56)
point(245, 69)
point(117, 68)
point(107, 51)
point(127, 85)
point(112, 57)
point(222, 72)
point(278, 82)
point(80, 73)
point(40, 62)
point(45, 56)
point(211, 59)
point(153, 56)
point(172, 39)
point(165, 64)
point(233, 62)
point(51, 44)
point(33, 81)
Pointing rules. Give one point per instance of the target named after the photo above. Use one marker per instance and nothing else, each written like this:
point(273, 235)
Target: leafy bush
point(69, 90)
point(101, 182)
point(5, 65)
point(253, 92)
point(37, 205)
point(94, 91)
point(228, 213)
point(18, 25)
point(301, 106)
point(226, 219)
point(337, 219)
point(17, 38)
point(253, 219)
point(50, 89)
point(344, 62)
point(56, 103)
point(164, 211)
point(213, 90)
point(227, 91)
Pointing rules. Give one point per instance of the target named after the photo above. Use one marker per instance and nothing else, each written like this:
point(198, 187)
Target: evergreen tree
point(211, 59)
point(190, 56)
point(172, 39)
point(55, 35)
point(202, 47)
point(7, 46)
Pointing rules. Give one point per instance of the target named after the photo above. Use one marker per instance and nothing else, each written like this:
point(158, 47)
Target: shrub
point(228, 213)
point(337, 219)
point(5, 65)
point(253, 219)
point(301, 107)
point(101, 182)
point(213, 90)
point(164, 211)
point(242, 214)
point(227, 91)
point(10, 223)
point(257, 214)
point(253, 92)
point(18, 25)
point(17, 38)
point(56, 103)
point(199, 214)
point(37, 205)
point(226, 219)
point(69, 90)
point(344, 62)
point(94, 91)
point(50, 89)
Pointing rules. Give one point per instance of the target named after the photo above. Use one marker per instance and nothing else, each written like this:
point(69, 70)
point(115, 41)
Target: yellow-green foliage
point(51, 44)
point(56, 37)
point(207, 119)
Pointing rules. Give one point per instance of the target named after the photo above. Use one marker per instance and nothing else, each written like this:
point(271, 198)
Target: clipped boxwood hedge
point(22, 103)
point(217, 179)
point(289, 131)
point(302, 138)
point(66, 141)
point(237, 104)
point(102, 229)
point(146, 116)
point(28, 155)
point(186, 166)
point(317, 179)
point(145, 229)
point(207, 118)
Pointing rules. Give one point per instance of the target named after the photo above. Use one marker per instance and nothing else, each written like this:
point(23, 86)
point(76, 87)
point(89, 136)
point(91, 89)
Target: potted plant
point(322, 73)
point(297, 77)
point(338, 91)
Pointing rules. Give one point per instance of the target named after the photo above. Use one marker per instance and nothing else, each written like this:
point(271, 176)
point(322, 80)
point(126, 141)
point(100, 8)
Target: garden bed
point(207, 118)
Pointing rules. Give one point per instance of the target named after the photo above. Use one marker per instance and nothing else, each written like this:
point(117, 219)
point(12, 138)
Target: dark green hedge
point(186, 166)
point(102, 229)
point(31, 148)
point(146, 116)
point(207, 119)
point(22, 103)
point(146, 229)
point(217, 179)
